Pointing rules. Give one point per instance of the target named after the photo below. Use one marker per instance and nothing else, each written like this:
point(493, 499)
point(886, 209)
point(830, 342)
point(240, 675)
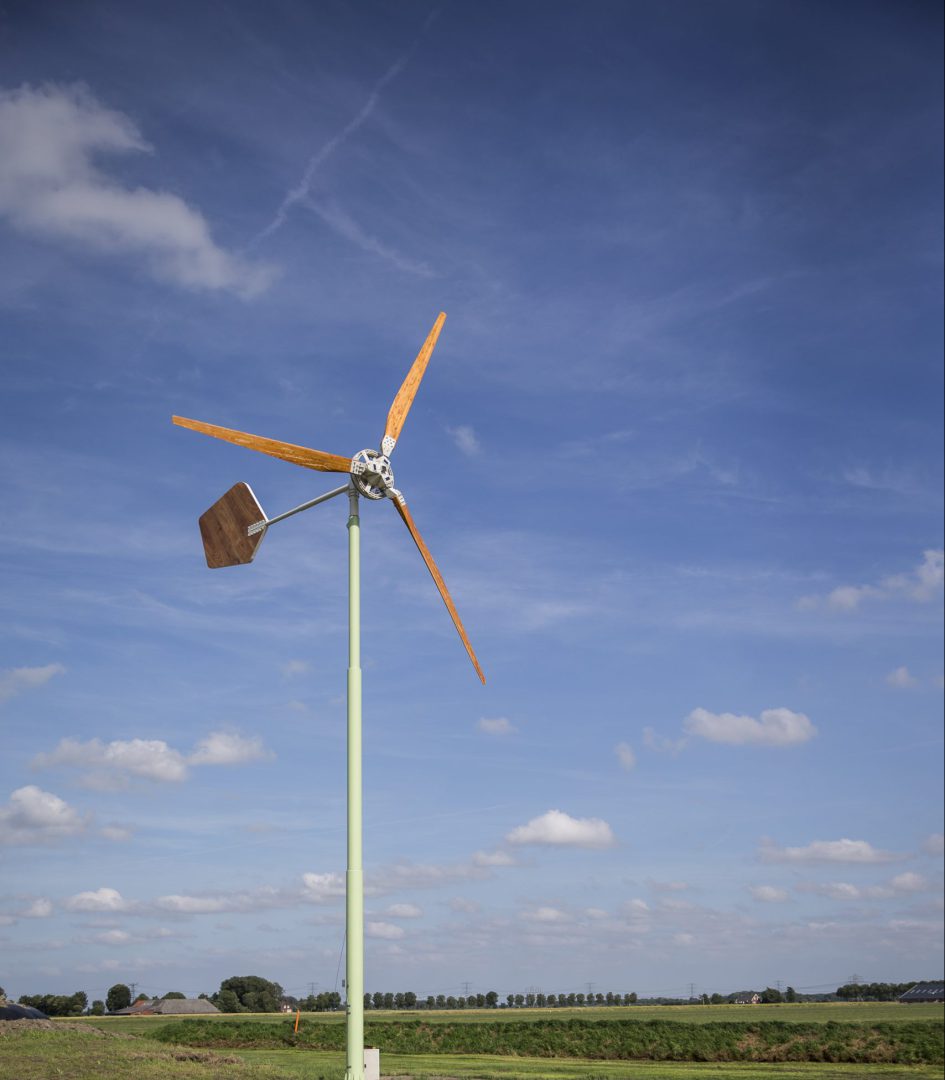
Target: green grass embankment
point(604, 1040)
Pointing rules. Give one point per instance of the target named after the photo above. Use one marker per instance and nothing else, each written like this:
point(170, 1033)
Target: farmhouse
point(747, 999)
point(924, 991)
point(168, 1007)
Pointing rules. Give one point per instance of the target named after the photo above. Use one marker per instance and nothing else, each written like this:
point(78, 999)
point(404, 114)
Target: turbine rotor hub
point(376, 479)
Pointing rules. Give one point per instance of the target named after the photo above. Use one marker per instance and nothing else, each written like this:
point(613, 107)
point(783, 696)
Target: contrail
point(304, 186)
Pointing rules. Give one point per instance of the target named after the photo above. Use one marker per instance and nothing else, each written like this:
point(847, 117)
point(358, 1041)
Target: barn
point(924, 991)
point(169, 1007)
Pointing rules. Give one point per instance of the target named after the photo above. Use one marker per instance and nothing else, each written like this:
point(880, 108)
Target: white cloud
point(845, 891)
point(295, 667)
point(921, 585)
point(909, 882)
point(322, 887)
point(384, 930)
point(113, 937)
point(50, 185)
point(465, 439)
point(103, 899)
point(194, 905)
point(777, 727)
point(151, 759)
point(558, 828)
point(15, 680)
point(496, 726)
point(768, 894)
point(112, 764)
point(260, 899)
point(116, 833)
point(34, 816)
point(493, 858)
point(625, 756)
point(547, 915)
point(40, 908)
point(934, 844)
point(465, 906)
point(838, 851)
point(901, 678)
point(404, 911)
point(229, 748)
point(662, 745)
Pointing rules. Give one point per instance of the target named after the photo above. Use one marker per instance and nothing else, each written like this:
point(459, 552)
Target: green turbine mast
point(232, 530)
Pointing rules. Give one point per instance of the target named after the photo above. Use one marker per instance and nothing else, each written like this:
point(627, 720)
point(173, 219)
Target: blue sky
point(678, 454)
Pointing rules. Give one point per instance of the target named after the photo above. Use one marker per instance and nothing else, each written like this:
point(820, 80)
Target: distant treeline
point(58, 1004)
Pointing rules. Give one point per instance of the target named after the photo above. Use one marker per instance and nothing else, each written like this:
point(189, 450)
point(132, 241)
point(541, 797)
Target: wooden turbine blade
point(223, 528)
point(407, 392)
point(298, 455)
point(438, 580)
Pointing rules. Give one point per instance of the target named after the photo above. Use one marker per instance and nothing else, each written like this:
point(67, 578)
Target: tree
point(770, 996)
point(98, 1008)
point(492, 999)
point(519, 1000)
point(451, 1002)
point(716, 999)
point(410, 999)
point(118, 997)
point(378, 998)
point(174, 995)
point(228, 1002)
point(790, 994)
point(541, 1000)
point(254, 993)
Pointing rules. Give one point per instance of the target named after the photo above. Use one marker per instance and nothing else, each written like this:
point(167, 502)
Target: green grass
point(67, 1051)
point(316, 1065)
point(888, 1012)
point(31, 1053)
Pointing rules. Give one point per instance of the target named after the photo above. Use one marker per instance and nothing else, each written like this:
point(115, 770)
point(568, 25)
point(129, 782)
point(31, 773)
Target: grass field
point(69, 1052)
point(110, 1048)
point(853, 1012)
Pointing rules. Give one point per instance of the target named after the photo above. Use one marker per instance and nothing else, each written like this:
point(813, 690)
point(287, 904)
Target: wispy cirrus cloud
point(17, 680)
point(496, 725)
point(51, 186)
point(826, 851)
point(466, 439)
point(901, 678)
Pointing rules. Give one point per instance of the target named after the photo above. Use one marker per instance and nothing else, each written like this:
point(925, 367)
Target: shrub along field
point(905, 1043)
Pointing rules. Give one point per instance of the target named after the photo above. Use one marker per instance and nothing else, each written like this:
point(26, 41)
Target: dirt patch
point(13, 1027)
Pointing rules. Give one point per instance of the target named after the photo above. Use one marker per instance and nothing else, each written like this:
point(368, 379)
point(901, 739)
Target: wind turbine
point(232, 530)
